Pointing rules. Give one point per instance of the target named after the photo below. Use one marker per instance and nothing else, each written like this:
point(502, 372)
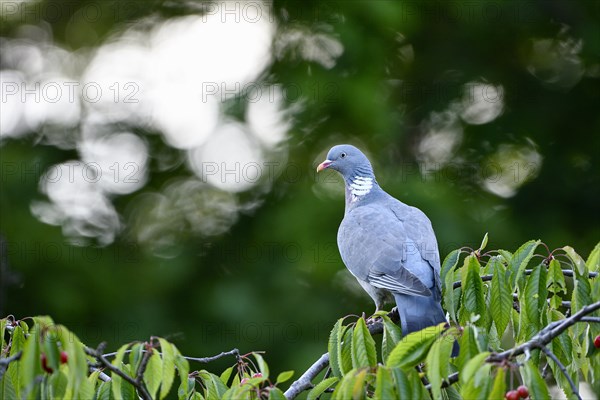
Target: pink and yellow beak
point(324, 165)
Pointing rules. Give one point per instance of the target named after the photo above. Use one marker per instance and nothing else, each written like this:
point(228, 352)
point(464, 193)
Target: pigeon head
point(348, 161)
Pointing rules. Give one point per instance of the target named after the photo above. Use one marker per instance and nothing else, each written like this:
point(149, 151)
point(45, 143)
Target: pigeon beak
point(324, 165)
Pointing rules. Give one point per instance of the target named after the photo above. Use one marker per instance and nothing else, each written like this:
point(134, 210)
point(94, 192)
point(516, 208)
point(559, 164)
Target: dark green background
point(272, 282)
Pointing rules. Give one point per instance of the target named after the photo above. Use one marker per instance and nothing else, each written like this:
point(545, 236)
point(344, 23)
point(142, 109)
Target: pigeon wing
point(372, 242)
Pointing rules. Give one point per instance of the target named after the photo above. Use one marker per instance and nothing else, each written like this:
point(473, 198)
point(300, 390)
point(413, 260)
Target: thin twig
point(101, 375)
point(142, 368)
point(4, 362)
point(234, 352)
point(450, 380)
point(546, 335)
point(486, 278)
point(563, 370)
point(97, 354)
point(591, 319)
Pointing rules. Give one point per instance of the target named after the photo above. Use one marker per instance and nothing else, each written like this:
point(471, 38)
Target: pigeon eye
point(343, 155)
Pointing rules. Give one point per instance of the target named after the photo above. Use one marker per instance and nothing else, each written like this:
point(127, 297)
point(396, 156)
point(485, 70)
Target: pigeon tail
point(417, 313)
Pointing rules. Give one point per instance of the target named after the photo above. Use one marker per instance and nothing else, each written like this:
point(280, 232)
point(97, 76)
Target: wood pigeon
point(390, 247)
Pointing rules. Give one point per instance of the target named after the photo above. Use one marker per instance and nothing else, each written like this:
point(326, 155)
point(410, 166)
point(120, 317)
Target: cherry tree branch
point(4, 362)
point(142, 368)
point(234, 352)
point(485, 278)
point(204, 360)
point(546, 335)
point(591, 319)
point(539, 341)
point(450, 380)
point(303, 383)
point(97, 354)
point(563, 370)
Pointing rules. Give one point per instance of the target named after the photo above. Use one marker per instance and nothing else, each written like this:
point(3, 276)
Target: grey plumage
point(388, 246)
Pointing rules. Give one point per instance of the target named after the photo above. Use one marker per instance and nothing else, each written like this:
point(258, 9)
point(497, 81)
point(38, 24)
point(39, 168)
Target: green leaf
point(7, 390)
point(183, 369)
point(3, 323)
point(392, 334)
point(168, 367)
point(438, 360)
point(154, 373)
point(85, 390)
point(321, 387)
point(473, 295)
point(402, 384)
point(561, 346)
point(345, 351)
point(450, 263)
point(414, 347)
point(335, 338)
point(116, 379)
point(358, 389)
point(501, 301)
point(262, 365)
point(484, 242)
point(127, 390)
point(505, 255)
point(556, 279)
point(135, 355)
point(534, 298)
point(479, 384)
point(363, 346)
point(226, 375)
point(451, 295)
point(77, 360)
point(18, 342)
point(499, 387)
point(215, 389)
point(345, 388)
point(418, 389)
point(468, 346)
point(103, 392)
point(30, 363)
point(451, 393)
point(237, 392)
point(576, 259)
point(50, 348)
point(58, 383)
point(284, 377)
point(582, 293)
point(384, 384)
point(520, 259)
point(534, 381)
point(276, 394)
point(475, 377)
point(593, 261)
point(472, 366)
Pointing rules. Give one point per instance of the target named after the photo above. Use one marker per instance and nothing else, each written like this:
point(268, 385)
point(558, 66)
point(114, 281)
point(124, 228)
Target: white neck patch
point(361, 185)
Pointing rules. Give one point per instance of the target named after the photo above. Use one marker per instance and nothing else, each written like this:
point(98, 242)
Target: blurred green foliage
point(273, 281)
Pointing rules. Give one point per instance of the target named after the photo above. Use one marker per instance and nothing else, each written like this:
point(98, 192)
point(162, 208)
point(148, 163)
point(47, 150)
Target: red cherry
point(597, 342)
point(45, 366)
point(257, 375)
point(512, 395)
point(63, 357)
point(523, 392)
